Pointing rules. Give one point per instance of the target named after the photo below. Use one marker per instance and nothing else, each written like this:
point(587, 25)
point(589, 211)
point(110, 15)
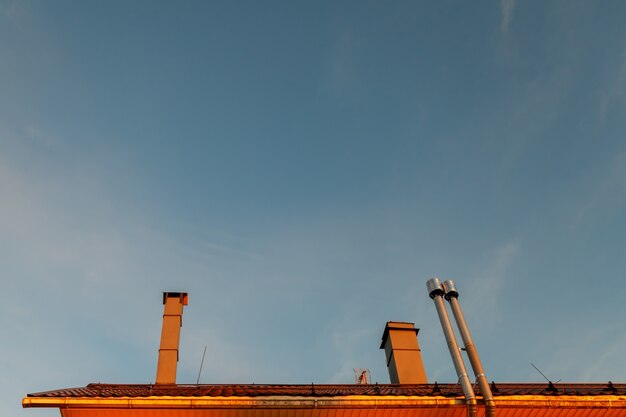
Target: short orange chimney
point(170, 336)
point(404, 357)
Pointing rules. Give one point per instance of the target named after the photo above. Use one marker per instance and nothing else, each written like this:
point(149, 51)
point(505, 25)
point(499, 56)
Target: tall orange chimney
point(404, 357)
point(170, 336)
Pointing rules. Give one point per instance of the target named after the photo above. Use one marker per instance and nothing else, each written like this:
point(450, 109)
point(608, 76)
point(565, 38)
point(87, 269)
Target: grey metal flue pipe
point(436, 292)
point(452, 295)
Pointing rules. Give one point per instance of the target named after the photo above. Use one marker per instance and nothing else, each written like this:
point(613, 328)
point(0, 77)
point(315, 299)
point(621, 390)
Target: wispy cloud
point(583, 358)
point(14, 10)
point(507, 7)
point(341, 70)
point(40, 137)
point(609, 192)
point(491, 279)
point(606, 359)
point(344, 340)
point(615, 90)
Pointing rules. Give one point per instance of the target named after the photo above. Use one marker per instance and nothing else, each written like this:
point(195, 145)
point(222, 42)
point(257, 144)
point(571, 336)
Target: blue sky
point(301, 169)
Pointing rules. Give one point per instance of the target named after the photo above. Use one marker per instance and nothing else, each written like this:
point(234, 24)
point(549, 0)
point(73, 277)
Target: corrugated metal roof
point(434, 412)
point(326, 390)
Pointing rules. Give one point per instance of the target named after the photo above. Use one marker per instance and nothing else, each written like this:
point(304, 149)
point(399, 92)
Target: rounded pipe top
point(434, 287)
point(450, 289)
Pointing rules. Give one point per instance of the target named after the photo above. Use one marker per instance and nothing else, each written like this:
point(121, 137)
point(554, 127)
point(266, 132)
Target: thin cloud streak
point(491, 279)
point(608, 196)
point(507, 8)
point(612, 98)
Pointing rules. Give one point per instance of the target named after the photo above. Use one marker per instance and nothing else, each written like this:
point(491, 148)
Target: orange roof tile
point(326, 390)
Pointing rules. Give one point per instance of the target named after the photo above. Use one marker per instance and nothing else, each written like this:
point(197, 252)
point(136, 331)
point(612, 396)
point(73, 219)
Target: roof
point(326, 390)
point(372, 400)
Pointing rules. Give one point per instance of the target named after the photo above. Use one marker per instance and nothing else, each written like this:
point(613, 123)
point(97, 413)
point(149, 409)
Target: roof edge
point(357, 401)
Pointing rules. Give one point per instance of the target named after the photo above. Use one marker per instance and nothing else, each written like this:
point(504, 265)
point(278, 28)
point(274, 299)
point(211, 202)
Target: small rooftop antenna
point(546, 378)
point(201, 363)
point(361, 376)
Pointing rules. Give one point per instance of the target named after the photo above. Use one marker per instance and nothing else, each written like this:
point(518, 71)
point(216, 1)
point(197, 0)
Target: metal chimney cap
point(450, 288)
point(184, 297)
point(434, 287)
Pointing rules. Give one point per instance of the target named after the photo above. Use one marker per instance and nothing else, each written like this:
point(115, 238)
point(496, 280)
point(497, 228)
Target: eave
point(304, 403)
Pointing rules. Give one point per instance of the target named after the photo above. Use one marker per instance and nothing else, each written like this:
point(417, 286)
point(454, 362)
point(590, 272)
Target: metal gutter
point(343, 402)
point(357, 401)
